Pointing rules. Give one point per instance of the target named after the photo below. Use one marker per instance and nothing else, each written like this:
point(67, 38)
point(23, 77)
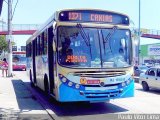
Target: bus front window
point(117, 49)
point(75, 50)
point(90, 47)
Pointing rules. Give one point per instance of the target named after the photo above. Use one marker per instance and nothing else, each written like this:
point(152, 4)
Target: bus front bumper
point(68, 94)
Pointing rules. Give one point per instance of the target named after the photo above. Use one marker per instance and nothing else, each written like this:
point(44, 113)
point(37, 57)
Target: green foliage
point(3, 44)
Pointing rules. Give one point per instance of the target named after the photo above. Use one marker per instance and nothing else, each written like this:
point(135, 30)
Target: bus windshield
point(21, 59)
point(94, 47)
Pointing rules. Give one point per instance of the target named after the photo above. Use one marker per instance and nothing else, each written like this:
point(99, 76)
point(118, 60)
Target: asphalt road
point(142, 103)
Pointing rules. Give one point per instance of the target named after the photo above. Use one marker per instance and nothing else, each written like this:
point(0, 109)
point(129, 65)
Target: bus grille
point(95, 74)
point(102, 94)
point(106, 85)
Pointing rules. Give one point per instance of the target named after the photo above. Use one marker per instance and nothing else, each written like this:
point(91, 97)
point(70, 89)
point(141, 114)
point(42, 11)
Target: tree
point(3, 44)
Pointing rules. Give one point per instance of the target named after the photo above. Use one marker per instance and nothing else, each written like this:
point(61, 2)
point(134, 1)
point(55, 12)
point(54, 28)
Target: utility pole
point(139, 32)
point(9, 38)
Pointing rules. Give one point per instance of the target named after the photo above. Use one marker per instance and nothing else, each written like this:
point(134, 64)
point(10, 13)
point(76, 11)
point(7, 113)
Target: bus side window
point(45, 42)
point(30, 49)
point(42, 44)
point(27, 50)
point(38, 45)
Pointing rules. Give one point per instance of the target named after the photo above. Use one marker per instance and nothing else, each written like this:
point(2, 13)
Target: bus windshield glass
point(84, 47)
point(19, 59)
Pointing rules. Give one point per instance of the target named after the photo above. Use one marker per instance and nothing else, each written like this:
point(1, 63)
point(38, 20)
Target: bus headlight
point(77, 86)
point(123, 84)
point(128, 81)
point(64, 79)
point(70, 83)
point(67, 82)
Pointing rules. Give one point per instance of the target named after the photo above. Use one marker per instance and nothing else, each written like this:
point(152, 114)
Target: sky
point(38, 11)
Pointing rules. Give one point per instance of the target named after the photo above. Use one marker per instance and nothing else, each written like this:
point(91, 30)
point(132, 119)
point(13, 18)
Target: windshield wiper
point(100, 48)
point(85, 37)
point(111, 32)
point(108, 37)
point(83, 34)
point(104, 47)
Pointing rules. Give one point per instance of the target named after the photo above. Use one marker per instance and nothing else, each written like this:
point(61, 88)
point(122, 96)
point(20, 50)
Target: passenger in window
point(66, 45)
point(66, 51)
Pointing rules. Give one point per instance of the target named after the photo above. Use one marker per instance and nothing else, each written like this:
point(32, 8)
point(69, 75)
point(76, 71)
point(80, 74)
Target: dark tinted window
point(45, 42)
point(151, 72)
point(158, 72)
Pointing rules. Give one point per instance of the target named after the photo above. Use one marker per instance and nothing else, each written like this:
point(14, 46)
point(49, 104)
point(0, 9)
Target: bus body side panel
point(39, 72)
point(129, 92)
point(44, 60)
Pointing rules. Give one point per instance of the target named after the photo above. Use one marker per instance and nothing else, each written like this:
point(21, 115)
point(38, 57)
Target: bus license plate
point(93, 81)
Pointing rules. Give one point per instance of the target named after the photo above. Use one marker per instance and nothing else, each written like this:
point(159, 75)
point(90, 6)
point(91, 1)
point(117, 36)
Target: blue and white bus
point(82, 55)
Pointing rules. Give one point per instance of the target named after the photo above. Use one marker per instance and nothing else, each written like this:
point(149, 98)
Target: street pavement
point(16, 101)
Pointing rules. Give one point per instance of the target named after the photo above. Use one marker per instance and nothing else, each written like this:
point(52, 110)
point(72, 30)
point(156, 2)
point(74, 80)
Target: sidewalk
point(16, 100)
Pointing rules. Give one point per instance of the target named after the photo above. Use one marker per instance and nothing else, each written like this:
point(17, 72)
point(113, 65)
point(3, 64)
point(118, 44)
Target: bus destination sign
point(93, 16)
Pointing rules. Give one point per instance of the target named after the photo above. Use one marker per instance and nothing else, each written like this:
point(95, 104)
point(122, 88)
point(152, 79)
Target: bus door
point(33, 60)
point(51, 59)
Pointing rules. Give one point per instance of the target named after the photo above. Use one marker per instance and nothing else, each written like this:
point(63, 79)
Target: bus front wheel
point(31, 80)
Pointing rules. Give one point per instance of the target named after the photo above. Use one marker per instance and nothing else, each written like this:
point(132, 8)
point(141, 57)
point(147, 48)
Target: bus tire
point(145, 86)
point(46, 87)
point(31, 80)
